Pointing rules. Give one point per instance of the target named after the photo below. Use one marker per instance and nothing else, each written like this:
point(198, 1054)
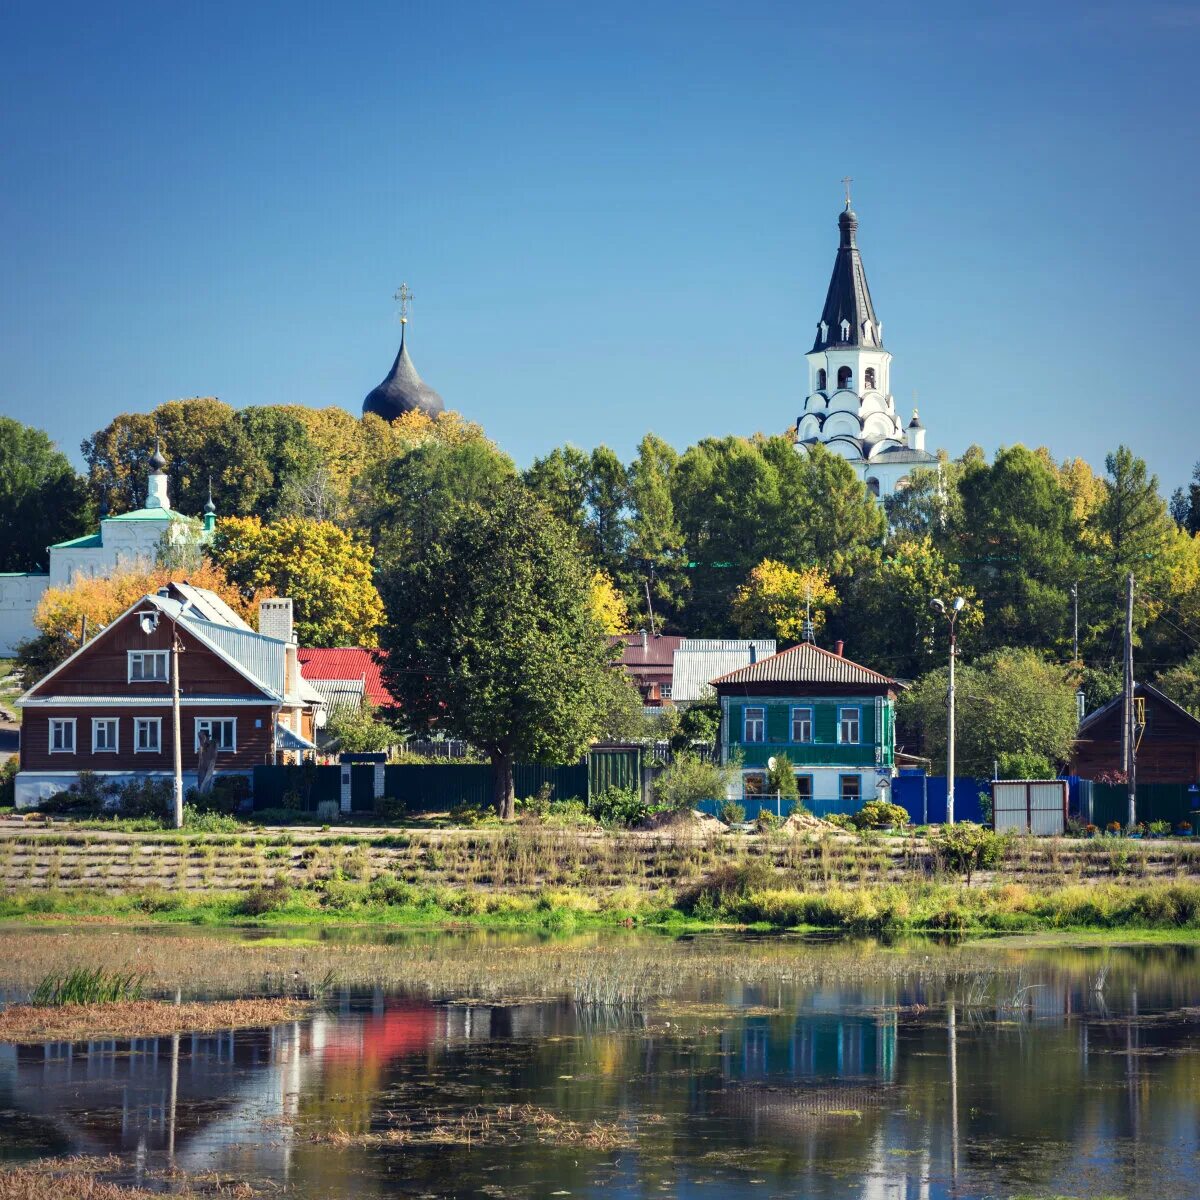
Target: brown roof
point(659, 651)
point(806, 663)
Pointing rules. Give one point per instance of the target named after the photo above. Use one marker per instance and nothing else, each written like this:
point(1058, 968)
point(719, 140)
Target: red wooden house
point(108, 707)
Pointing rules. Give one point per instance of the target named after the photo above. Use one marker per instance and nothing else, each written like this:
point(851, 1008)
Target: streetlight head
point(937, 605)
point(959, 604)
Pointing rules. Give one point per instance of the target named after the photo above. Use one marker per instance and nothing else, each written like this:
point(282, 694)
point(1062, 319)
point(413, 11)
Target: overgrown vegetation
point(86, 985)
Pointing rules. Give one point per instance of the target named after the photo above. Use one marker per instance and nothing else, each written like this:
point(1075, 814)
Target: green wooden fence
point(1155, 802)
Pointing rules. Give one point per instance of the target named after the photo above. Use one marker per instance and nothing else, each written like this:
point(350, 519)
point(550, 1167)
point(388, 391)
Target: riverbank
point(534, 877)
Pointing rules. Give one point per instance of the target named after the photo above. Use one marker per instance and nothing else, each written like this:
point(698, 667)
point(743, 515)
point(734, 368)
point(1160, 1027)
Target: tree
point(403, 503)
point(326, 571)
point(1182, 683)
point(775, 599)
point(655, 550)
point(360, 730)
point(1132, 532)
point(622, 715)
point(201, 439)
point(609, 605)
point(560, 482)
point(885, 618)
point(42, 500)
point(280, 440)
point(781, 778)
point(1185, 503)
point(491, 634)
point(1016, 539)
point(1010, 701)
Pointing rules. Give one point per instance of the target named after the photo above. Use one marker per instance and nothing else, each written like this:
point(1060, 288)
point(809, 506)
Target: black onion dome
point(402, 391)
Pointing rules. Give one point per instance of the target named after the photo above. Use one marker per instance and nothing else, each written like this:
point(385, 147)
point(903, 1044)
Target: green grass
point(1149, 911)
point(83, 986)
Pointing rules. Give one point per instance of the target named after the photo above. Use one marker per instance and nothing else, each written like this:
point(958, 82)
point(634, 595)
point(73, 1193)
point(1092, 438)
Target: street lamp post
point(950, 612)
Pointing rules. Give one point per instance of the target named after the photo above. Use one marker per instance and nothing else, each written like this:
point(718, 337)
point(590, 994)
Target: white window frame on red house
point(59, 726)
point(205, 725)
point(149, 722)
point(115, 743)
point(141, 657)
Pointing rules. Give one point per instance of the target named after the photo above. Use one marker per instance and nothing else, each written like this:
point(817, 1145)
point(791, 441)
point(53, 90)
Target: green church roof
point(86, 542)
point(148, 514)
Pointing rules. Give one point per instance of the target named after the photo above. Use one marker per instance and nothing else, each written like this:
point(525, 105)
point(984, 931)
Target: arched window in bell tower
point(869, 377)
point(822, 379)
point(845, 377)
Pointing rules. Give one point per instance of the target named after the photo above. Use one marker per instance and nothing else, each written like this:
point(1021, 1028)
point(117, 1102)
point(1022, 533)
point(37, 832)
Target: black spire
point(849, 298)
point(403, 390)
point(210, 507)
point(156, 459)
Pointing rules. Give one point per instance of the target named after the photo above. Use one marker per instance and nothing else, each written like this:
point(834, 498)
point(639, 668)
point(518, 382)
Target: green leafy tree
point(292, 459)
point(1016, 541)
point(1182, 683)
point(560, 482)
point(201, 438)
point(1009, 701)
point(655, 550)
point(885, 618)
point(1131, 533)
point(781, 778)
point(42, 500)
point(404, 503)
point(360, 730)
point(491, 635)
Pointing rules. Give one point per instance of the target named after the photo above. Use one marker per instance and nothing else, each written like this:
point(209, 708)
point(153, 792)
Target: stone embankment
point(524, 859)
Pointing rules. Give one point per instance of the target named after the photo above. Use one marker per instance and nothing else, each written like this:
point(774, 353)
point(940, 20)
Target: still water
point(1078, 1078)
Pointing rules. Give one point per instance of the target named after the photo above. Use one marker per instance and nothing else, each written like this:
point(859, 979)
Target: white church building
point(127, 541)
point(850, 409)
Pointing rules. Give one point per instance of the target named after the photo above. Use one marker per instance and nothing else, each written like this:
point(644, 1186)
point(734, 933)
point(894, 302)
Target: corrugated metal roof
point(345, 663)
point(339, 693)
point(763, 647)
point(700, 660)
point(261, 658)
point(208, 605)
point(805, 663)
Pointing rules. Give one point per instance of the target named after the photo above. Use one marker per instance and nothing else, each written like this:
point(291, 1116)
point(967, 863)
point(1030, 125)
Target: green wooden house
point(833, 718)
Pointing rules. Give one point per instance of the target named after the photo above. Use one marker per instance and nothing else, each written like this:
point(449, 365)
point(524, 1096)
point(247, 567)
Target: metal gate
point(1037, 806)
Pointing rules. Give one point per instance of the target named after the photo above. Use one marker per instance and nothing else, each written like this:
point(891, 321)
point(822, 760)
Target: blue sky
point(614, 217)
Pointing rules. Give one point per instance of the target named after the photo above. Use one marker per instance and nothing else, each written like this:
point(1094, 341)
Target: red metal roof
point(348, 662)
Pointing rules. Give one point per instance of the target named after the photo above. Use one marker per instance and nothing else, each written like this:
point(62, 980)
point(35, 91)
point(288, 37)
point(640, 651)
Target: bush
point(966, 847)
point(210, 822)
point(689, 779)
point(781, 780)
point(259, 901)
point(391, 808)
point(228, 794)
point(618, 806)
point(732, 813)
point(1022, 764)
point(880, 814)
point(145, 797)
point(766, 821)
point(8, 782)
point(725, 886)
point(841, 820)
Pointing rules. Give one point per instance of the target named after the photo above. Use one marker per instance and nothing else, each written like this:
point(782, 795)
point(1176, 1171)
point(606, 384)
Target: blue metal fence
point(924, 797)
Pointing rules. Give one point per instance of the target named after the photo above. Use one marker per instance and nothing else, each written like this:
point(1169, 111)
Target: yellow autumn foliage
point(773, 599)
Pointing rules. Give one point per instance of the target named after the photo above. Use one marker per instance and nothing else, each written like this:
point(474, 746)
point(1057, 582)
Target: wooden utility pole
point(175, 722)
point(1128, 737)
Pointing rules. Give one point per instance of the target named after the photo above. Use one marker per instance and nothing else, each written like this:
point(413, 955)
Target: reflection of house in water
point(815, 1045)
point(196, 1097)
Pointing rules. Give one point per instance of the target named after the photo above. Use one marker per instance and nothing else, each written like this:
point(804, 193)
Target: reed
point(83, 986)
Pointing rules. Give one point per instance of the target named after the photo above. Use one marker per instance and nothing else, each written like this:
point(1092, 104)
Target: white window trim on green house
point(849, 725)
point(875, 727)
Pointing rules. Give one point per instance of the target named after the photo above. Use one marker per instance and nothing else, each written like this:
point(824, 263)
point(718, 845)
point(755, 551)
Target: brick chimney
point(838, 647)
point(275, 618)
